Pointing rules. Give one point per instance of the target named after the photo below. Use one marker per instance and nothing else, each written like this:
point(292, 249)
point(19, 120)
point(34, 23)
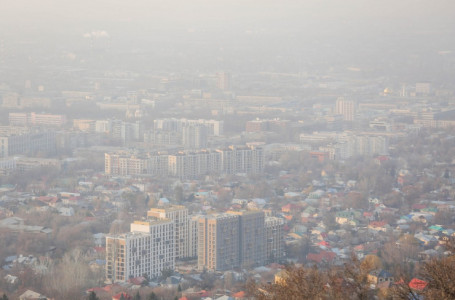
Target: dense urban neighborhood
point(220, 171)
point(225, 206)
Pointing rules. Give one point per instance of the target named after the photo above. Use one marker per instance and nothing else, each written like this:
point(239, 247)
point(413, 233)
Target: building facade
point(29, 143)
point(193, 232)
point(224, 81)
point(233, 239)
point(274, 238)
point(252, 238)
point(218, 242)
point(232, 160)
point(214, 127)
point(179, 215)
point(34, 119)
point(125, 164)
point(147, 249)
point(194, 136)
point(346, 108)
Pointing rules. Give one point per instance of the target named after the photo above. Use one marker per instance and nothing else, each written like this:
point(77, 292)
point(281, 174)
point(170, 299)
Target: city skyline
point(227, 149)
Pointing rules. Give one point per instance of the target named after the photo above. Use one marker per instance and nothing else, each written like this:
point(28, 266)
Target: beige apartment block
point(193, 235)
point(179, 215)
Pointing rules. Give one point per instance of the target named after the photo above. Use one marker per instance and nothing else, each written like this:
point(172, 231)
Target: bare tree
point(295, 283)
point(355, 279)
point(440, 274)
point(70, 276)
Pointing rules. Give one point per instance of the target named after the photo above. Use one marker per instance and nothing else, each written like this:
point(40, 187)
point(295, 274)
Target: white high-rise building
point(346, 108)
point(147, 249)
point(248, 160)
point(371, 145)
point(275, 238)
point(179, 215)
point(194, 136)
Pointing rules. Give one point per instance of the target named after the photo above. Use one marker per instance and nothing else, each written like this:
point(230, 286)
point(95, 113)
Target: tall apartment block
point(423, 88)
point(370, 145)
point(275, 238)
point(27, 143)
point(124, 164)
point(218, 242)
point(179, 215)
point(157, 164)
point(34, 119)
point(224, 81)
point(193, 235)
point(214, 127)
point(232, 239)
point(147, 249)
point(184, 165)
point(161, 138)
point(231, 160)
point(346, 108)
point(241, 160)
point(252, 239)
point(193, 164)
point(194, 136)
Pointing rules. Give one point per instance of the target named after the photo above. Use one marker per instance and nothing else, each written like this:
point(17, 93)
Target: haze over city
point(227, 149)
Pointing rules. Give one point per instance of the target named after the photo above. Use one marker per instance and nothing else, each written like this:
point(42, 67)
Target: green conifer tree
point(137, 296)
point(93, 296)
point(152, 296)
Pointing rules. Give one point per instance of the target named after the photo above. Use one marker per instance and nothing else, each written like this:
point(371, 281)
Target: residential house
point(350, 217)
point(418, 284)
point(323, 256)
point(31, 295)
point(426, 239)
point(378, 276)
point(379, 226)
point(119, 296)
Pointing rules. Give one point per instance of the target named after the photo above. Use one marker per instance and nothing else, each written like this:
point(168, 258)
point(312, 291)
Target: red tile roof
point(417, 284)
point(99, 249)
point(324, 243)
point(418, 206)
point(321, 256)
point(96, 289)
point(377, 224)
point(119, 295)
point(240, 294)
point(137, 280)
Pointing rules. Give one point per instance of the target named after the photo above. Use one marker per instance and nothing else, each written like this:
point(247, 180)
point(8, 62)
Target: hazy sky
point(350, 31)
point(73, 15)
